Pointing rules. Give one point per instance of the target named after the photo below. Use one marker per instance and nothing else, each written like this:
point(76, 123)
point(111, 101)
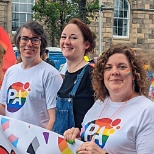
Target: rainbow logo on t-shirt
point(16, 96)
point(104, 126)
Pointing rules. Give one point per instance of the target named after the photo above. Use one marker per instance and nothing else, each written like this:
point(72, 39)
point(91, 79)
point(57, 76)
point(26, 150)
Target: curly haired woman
point(121, 121)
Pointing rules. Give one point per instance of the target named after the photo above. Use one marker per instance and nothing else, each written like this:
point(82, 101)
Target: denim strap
point(77, 82)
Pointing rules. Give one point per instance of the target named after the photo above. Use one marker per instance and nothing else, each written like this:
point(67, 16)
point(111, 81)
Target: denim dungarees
point(64, 108)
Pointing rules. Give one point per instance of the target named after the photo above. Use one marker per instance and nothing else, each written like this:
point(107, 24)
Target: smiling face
point(118, 77)
point(27, 48)
point(72, 42)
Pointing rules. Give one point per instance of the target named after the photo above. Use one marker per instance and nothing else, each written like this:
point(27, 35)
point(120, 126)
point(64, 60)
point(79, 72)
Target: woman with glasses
point(29, 89)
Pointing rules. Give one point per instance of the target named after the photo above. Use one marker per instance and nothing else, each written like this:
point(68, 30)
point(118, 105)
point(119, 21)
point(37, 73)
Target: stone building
point(127, 22)
point(6, 15)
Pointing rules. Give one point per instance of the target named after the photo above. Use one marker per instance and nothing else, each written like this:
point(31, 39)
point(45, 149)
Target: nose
point(29, 43)
point(115, 71)
point(67, 40)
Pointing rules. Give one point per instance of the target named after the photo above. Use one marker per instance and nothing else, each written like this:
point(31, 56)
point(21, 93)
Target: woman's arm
point(2, 109)
point(51, 121)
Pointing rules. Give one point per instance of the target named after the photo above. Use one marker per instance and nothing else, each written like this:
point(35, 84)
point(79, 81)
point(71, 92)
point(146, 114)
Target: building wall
point(6, 15)
point(141, 35)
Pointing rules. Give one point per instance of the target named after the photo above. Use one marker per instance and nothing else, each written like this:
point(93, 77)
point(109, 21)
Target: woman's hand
point(90, 148)
point(71, 134)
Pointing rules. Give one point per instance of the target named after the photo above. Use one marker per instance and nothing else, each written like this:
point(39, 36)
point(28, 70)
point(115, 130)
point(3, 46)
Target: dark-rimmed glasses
point(34, 40)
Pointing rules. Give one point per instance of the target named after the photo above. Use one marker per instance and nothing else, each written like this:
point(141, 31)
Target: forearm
point(50, 124)
point(51, 121)
point(2, 109)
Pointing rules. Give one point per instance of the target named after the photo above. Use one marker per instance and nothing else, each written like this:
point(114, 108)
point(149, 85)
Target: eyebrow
point(71, 34)
point(117, 63)
point(32, 37)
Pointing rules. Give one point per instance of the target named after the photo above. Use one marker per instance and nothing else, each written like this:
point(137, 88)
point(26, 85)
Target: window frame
point(20, 12)
point(123, 18)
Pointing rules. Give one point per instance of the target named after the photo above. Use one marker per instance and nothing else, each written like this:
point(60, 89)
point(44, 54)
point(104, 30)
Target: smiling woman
point(122, 60)
point(116, 77)
point(75, 96)
point(119, 82)
point(32, 84)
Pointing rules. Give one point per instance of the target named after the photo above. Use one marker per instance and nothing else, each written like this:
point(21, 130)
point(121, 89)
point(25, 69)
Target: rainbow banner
point(17, 137)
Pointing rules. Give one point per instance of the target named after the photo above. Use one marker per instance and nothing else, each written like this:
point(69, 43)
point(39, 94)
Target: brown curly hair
point(101, 91)
point(151, 63)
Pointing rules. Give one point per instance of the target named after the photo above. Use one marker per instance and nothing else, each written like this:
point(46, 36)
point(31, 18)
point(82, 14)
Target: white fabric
point(28, 93)
point(64, 69)
point(129, 131)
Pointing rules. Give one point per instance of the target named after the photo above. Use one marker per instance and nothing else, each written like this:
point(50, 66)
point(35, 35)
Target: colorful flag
point(18, 137)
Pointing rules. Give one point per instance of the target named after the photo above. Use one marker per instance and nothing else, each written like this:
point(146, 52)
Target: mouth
point(31, 50)
point(116, 80)
point(67, 48)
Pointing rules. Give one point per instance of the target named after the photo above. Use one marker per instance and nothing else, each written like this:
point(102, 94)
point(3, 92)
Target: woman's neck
point(30, 63)
point(75, 65)
point(124, 98)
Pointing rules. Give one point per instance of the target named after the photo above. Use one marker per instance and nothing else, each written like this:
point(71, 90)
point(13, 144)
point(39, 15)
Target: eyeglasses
point(34, 40)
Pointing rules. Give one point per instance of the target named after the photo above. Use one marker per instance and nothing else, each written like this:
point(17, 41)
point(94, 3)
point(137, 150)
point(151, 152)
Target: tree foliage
point(54, 14)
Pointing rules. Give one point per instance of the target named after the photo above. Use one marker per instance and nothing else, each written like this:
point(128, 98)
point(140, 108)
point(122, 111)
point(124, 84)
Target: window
point(121, 19)
point(21, 12)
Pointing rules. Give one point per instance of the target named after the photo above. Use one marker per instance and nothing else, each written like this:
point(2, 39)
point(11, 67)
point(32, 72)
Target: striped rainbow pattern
point(63, 146)
point(152, 93)
point(128, 73)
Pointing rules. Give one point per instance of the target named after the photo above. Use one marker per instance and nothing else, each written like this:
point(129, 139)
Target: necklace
point(118, 110)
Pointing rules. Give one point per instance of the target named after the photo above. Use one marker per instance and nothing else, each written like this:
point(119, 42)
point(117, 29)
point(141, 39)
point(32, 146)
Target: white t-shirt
point(64, 69)
point(28, 93)
point(121, 130)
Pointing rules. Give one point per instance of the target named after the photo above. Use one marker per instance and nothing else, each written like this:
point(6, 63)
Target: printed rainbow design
point(105, 125)
point(16, 96)
point(152, 89)
point(127, 72)
point(63, 146)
